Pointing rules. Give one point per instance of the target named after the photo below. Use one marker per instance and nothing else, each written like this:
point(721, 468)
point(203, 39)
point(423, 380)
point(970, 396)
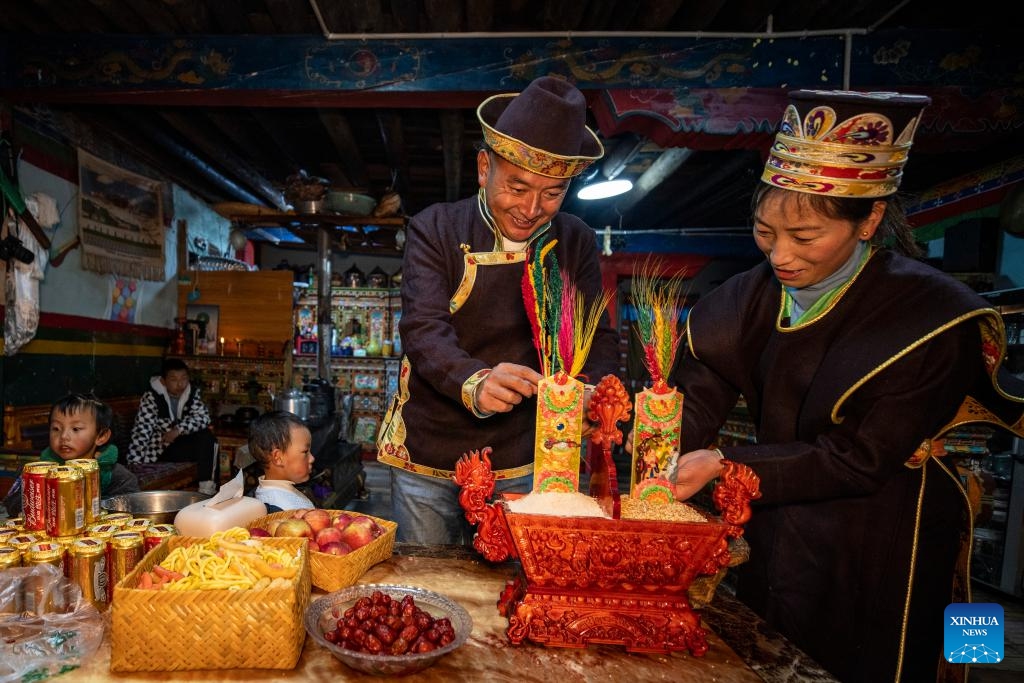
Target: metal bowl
point(323, 613)
point(350, 203)
point(160, 507)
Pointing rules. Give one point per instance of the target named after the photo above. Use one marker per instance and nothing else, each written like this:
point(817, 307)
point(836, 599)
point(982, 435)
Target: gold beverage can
point(9, 557)
point(46, 552)
point(11, 601)
point(156, 533)
point(137, 524)
point(66, 542)
point(118, 519)
point(88, 568)
point(33, 494)
point(65, 501)
point(16, 523)
point(102, 530)
point(23, 541)
point(126, 549)
point(91, 474)
point(6, 535)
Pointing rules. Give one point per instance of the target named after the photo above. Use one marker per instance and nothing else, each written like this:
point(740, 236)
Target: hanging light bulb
point(604, 189)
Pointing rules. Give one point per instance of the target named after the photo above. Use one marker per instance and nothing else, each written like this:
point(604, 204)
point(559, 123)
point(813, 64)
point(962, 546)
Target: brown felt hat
point(542, 129)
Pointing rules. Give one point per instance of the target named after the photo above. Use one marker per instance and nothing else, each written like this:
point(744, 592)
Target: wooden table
point(742, 648)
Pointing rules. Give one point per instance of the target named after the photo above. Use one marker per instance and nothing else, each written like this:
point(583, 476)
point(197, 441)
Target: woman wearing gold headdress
point(853, 358)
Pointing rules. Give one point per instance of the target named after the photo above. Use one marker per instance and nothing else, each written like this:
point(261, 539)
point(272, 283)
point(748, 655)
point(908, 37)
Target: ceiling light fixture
point(604, 189)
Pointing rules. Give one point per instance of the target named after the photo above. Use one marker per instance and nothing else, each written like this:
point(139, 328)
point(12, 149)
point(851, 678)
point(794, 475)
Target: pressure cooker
point(294, 401)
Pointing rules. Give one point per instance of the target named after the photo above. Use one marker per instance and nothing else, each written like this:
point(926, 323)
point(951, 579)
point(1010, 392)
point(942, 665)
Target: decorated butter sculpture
point(657, 420)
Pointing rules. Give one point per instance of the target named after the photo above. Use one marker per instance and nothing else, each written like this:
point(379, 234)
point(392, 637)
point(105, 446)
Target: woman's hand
point(505, 387)
point(694, 470)
point(170, 435)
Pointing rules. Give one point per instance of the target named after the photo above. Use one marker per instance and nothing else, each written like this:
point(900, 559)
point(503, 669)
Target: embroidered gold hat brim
point(837, 187)
point(533, 159)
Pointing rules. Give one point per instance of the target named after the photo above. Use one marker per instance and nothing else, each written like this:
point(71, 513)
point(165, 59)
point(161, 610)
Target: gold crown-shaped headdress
point(847, 144)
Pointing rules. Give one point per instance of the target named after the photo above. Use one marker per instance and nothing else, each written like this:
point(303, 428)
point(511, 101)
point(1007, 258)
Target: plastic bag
point(46, 626)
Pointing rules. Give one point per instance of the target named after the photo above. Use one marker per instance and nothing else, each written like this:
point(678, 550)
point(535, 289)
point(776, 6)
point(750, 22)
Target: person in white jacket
point(281, 444)
point(173, 425)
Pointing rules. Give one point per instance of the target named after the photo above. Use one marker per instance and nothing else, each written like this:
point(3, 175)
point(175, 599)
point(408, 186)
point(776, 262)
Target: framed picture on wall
point(206, 319)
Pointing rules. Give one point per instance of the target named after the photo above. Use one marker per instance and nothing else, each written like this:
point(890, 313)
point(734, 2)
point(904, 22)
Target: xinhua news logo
point(973, 633)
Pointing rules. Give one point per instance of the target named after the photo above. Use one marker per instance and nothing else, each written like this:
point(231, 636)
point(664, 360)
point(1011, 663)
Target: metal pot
point(321, 400)
point(159, 507)
point(294, 401)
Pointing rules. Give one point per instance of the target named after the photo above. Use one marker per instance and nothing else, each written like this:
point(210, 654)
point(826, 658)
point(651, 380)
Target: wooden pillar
point(323, 303)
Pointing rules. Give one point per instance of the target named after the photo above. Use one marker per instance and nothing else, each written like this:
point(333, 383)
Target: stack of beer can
point(62, 525)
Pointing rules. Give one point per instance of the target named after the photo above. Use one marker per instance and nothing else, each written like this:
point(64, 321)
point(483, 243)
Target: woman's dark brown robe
point(852, 549)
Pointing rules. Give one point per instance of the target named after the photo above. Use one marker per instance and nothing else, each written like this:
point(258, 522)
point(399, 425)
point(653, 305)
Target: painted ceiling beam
point(180, 67)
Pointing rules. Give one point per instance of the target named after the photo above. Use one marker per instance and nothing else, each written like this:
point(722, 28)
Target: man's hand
point(170, 436)
point(694, 470)
point(505, 387)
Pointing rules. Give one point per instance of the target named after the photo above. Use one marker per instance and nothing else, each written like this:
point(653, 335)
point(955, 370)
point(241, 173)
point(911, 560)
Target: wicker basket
point(333, 572)
point(208, 629)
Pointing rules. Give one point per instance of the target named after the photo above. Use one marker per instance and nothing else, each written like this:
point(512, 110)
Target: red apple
point(336, 548)
point(341, 520)
point(300, 513)
point(359, 532)
point(257, 532)
point(328, 535)
point(314, 547)
point(318, 519)
point(298, 528)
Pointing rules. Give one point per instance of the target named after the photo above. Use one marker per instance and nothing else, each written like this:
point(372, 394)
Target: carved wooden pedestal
point(562, 619)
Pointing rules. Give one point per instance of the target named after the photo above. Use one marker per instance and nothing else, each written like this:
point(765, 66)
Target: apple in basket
point(360, 531)
point(328, 535)
point(297, 528)
point(257, 532)
point(341, 520)
point(335, 548)
point(317, 519)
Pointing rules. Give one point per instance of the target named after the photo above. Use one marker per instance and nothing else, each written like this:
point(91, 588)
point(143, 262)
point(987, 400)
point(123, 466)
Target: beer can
point(33, 494)
point(157, 533)
point(126, 549)
point(9, 557)
point(45, 552)
point(118, 519)
point(65, 501)
point(88, 569)
point(16, 523)
point(91, 474)
point(65, 542)
point(137, 524)
point(102, 530)
point(23, 541)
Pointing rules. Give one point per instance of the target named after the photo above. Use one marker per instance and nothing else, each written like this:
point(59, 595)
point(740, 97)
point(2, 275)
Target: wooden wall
point(254, 306)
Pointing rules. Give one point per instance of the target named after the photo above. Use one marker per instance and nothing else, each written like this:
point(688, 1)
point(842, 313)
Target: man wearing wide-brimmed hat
point(470, 370)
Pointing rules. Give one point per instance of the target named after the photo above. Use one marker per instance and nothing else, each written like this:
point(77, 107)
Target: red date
point(379, 624)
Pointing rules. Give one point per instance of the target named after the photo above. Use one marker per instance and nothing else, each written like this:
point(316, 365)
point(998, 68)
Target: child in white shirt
point(280, 442)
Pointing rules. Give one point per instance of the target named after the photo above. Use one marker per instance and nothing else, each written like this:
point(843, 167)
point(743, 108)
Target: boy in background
point(172, 424)
point(80, 427)
point(280, 443)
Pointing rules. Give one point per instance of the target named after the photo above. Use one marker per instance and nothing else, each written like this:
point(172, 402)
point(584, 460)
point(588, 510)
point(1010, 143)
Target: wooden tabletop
point(745, 651)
